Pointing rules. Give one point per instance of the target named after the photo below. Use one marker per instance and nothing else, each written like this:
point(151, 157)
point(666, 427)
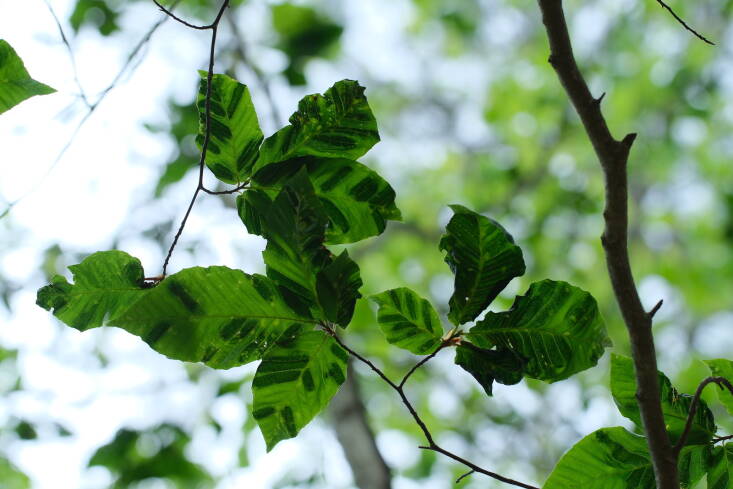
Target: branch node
point(655, 309)
point(600, 99)
point(470, 472)
point(629, 139)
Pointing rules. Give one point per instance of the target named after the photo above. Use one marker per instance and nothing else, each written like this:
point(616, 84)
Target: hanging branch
point(613, 156)
point(399, 388)
point(684, 24)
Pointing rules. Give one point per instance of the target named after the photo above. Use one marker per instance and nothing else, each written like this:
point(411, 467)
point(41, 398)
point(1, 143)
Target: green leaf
point(613, 458)
point(294, 224)
point(723, 368)
point(252, 207)
point(337, 124)
point(556, 328)
point(11, 477)
point(303, 34)
point(295, 229)
point(720, 474)
point(337, 285)
point(408, 320)
point(357, 200)
point(216, 315)
point(674, 405)
point(295, 381)
point(235, 131)
point(106, 283)
point(16, 84)
point(96, 12)
point(484, 259)
point(486, 366)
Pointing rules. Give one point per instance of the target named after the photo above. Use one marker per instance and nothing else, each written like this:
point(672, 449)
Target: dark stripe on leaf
point(210, 352)
point(336, 373)
point(340, 353)
point(289, 421)
point(236, 98)
point(230, 329)
point(182, 294)
point(307, 379)
point(336, 178)
point(156, 333)
point(275, 378)
point(263, 413)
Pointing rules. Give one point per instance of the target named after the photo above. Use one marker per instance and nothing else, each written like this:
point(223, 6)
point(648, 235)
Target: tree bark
point(349, 420)
point(613, 156)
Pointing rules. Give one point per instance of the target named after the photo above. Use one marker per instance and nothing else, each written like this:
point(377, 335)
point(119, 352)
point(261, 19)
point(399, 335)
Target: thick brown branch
point(613, 156)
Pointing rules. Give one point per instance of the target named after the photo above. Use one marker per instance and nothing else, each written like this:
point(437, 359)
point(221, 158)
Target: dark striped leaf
point(105, 284)
point(16, 84)
point(357, 200)
point(556, 328)
point(720, 474)
point(408, 320)
point(311, 280)
point(484, 259)
point(216, 315)
point(337, 285)
point(613, 458)
point(295, 381)
point(723, 368)
point(337, 124)
point(235, 132)
point(486, 366)
point(675, 406)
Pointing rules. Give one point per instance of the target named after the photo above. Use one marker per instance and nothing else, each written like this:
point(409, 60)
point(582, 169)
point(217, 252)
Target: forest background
point(469, 112)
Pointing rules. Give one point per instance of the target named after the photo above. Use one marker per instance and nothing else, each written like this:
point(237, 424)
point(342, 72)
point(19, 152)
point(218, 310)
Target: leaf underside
point(675, 406)
point(556, 328)
point(16, 84)
point(484, 259)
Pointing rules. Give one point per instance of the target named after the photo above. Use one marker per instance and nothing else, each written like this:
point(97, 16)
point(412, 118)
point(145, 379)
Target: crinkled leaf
point(16, 84)
point(235, 131)
point(295, 381)
point(556, 328)
point(357, 200)
point(720, 474)
point(105, 284)
point(408, 320)
point(613, 458)
point(723, 368)
point(294, 225)
point(487, 366)
point(675, 406)
point(337, 124)
point(216, 315)
point(337, 285)
point(484, 259)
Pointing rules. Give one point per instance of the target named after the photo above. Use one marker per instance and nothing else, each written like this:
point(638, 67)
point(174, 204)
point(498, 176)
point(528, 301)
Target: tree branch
point(350, 421)
point(423, 427)
point(684, 24)
point(722, 382)
point(613, 156)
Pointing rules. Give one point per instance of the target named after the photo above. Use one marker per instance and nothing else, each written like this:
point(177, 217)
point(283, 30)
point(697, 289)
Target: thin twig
point(70, 52)
point(722, 382)
point(214, 27)
point(415, 416)
point(170, 14)
point(684, 24)
point(421, 363)
point(722, 438)
point(656, 308)
point(90, 110)
point(613, 156)
point(458, 481)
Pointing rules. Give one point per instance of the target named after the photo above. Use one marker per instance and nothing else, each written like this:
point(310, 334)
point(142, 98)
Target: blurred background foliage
point(470, 112)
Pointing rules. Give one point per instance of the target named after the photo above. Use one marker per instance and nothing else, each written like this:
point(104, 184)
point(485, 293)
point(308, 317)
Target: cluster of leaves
point(616, 458)
point(304, 190)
